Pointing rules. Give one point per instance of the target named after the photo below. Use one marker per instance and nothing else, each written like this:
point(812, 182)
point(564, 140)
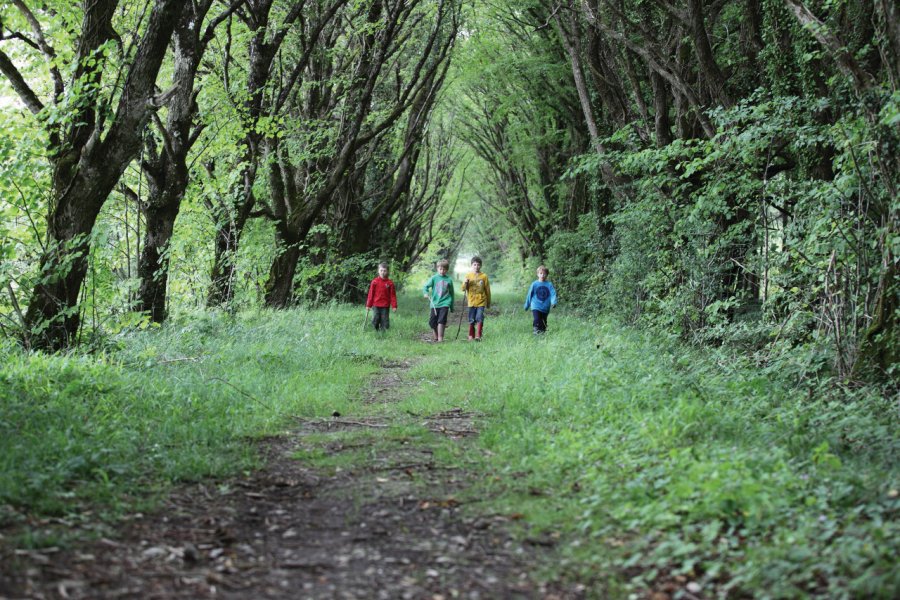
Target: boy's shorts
point(476, 314)
point(438, 316)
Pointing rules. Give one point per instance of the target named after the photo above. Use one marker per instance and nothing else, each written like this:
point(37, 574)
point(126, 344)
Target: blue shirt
point(541, 296)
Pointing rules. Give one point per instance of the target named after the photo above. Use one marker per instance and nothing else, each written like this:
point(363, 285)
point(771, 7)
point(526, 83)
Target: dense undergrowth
point(651, 462)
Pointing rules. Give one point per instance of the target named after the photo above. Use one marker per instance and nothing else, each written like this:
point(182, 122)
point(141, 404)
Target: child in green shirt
point(439, 291)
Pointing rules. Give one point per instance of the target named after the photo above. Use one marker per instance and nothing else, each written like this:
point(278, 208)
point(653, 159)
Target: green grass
point(180, 403)
point(656, 461)
point(650, 460)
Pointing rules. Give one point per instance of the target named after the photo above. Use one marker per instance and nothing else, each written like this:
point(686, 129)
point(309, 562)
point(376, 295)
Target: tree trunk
point(87, 171)
point(153, 268)
point(889, 13)
point(708, 65)
point(752, 39)
point(52, 316)
point(845, 61)
point(221, 284)
point(879, 344)
point(231, 219)
point(167, 170)
point(280, 284)
point(606, 80)
point(570, 41)
point(662, 124)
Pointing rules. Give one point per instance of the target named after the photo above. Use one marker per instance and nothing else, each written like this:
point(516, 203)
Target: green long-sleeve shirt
point(439, 290)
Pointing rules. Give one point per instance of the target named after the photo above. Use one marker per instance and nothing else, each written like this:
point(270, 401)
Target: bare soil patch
point(389, 384)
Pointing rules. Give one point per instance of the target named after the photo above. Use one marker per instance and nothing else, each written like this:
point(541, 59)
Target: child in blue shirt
point(540, 299)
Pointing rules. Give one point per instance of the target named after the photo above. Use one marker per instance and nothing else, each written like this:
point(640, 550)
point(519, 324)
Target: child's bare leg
point(440, 332)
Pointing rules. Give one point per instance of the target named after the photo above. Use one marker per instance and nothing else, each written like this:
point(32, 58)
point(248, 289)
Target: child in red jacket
point(382, 297)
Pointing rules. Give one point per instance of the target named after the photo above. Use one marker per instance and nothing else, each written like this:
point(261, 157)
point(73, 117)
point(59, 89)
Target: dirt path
point(390, 529)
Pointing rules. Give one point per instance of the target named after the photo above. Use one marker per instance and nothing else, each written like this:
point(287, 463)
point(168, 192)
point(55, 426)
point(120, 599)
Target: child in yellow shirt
point(478, 297)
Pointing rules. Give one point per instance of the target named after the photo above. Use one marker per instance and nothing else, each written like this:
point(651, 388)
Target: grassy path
point(605, 462)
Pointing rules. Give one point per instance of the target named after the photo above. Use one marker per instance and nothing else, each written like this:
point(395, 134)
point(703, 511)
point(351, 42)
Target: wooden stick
point(465, 305)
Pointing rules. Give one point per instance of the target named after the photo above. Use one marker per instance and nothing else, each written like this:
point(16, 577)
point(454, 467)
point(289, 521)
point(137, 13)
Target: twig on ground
point(453, 431)
point(358, 423)
point(341, 422)
point(149, 365)
point(231, 385)
point(428, 465)
point(455, 413)
point(180, 359)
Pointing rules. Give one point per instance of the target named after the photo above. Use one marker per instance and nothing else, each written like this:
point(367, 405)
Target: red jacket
point(382, 293)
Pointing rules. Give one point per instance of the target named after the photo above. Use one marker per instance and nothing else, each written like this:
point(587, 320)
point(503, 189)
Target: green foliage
point(776, 234)
point(576, 260)
point(772, 215)
point(325, 275)
point(24, 179)
point(511, 104)
point(709, 245)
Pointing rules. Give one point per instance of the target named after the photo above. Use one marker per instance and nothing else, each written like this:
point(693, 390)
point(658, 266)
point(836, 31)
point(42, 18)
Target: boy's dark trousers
point(438, 316)
point(539, 321)
point(381, 318)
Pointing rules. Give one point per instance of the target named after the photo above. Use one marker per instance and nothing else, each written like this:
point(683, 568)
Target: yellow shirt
point(478, 289)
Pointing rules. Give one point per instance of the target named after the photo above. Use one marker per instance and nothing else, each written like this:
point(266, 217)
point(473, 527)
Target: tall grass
point(663, 462)
point(178, 403)
point(651, 461)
